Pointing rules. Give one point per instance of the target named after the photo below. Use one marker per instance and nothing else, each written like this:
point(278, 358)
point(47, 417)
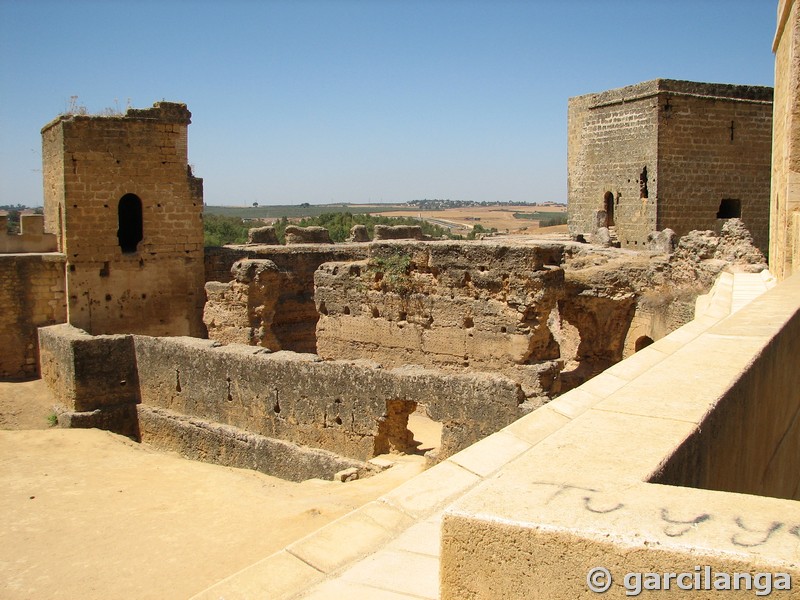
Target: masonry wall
point(611, 140)
point(291, 315)
point(452, 305)
point(91, 164)
point(188, 388)
point(31, 237)
point(784, 253)
point(713, 148)
point(32, 295)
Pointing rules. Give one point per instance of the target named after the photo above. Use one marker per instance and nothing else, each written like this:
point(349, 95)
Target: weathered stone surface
point(600, 220)
point(262, 235)
point(32, 294)
point(290, 296)
point(448, 305)
point(358, 233)
point(662, 242)
point(398, 232)
point(352, 408)
point(93, 379)
point(233, 447)
point(601, 237)
point(31, 237)
point(243, 311)
point(307, 235)
point(701, 255)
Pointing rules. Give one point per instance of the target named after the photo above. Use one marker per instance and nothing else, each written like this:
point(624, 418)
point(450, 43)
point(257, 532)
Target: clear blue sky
point(355, 100)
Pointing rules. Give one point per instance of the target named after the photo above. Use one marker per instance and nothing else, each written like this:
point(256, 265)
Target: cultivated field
point(500, 217)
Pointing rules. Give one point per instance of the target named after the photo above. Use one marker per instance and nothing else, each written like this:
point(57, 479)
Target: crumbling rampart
point(286, 305)
point(446, 305)
point(186, 388)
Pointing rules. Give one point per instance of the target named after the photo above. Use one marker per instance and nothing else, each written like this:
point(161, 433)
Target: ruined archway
point(129, 223)
point(394, 436)
point(642, 342)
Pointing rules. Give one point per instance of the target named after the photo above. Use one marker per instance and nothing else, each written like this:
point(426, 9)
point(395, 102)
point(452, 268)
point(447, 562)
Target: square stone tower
point(127, 211)
point(670, 154)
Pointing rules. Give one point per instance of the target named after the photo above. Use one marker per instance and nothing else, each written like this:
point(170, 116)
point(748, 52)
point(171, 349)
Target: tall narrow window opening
point(129, 228)
point(608, 203)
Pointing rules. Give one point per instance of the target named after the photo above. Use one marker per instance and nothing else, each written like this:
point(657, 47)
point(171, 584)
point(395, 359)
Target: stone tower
point(127, 211)
point(669, 154)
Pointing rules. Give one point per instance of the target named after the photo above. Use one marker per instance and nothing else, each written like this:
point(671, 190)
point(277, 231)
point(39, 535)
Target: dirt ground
point(89, 514)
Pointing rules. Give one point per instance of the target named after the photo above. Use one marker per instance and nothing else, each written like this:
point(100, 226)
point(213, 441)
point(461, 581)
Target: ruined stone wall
point(714, 154)
point(32, 295)
point(355, 409)
point(121, 197)
point(452, 305)
point(287, 302)
point(784, 252)
point(611, 140)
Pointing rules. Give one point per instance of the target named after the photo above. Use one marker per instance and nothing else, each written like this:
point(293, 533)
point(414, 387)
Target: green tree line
point(220, 230)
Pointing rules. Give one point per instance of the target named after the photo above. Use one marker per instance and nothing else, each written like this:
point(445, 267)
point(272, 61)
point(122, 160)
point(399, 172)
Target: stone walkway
point(389, 548)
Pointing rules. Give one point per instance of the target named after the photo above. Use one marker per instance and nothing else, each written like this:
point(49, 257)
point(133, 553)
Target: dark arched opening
point(129, 228)
point(608, 201)
point(642, 342)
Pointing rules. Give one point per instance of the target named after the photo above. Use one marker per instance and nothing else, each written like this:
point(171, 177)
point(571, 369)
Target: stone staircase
point(612, 233)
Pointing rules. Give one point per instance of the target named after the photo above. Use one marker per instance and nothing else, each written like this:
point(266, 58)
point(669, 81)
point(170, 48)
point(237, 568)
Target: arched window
point(129, 228)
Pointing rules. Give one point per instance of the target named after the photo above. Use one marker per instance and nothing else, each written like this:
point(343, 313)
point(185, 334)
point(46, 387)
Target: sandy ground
point(89, 514)
point(500, 217)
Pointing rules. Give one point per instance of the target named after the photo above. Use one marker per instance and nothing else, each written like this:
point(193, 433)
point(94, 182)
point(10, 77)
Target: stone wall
point(479, 306)
point(32, 295)
point(127, 211)
point(784, 251)
point(714, 146)
point(355, 409)
point(291, 310)
point(31, 237)
point(666, 154)
point(634, 471)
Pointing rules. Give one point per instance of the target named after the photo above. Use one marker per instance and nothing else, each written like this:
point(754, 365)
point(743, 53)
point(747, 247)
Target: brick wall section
point(32, 295)
point(681, 132)
point(90, 163)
